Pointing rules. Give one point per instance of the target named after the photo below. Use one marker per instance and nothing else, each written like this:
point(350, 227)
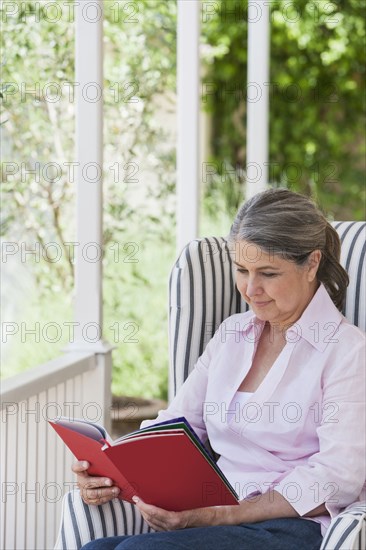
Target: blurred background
point(317, 147)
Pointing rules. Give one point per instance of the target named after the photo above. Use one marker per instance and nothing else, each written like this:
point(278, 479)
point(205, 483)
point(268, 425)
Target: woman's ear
point(313, 264)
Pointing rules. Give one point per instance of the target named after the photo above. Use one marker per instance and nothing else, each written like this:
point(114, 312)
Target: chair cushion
point(353, 251)
point(82, 523)
point(347, 531)
point(202, 294)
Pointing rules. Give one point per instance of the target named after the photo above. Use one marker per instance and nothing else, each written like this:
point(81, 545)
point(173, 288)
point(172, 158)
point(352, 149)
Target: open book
point(164, 464)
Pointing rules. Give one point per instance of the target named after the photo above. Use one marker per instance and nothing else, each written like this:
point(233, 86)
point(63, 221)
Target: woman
point(278, 391)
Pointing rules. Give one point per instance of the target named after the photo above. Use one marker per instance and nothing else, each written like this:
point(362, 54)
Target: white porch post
point(89, 200)
point(257, 97)
point(188, 29)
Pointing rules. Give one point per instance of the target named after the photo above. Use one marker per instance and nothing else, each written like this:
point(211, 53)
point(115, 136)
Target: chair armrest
point(81, 523)
point(347, 531)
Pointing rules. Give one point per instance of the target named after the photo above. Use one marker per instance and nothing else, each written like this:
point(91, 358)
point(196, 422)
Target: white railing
point(35, 464)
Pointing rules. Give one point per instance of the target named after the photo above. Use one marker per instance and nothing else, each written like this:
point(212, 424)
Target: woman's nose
point(253, 287)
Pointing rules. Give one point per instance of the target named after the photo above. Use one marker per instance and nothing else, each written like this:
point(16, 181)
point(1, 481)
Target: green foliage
point(135, 306)
point(316, 146)
point(38, 135)
point(40, 99)
point(138, 178)
point(317, 96)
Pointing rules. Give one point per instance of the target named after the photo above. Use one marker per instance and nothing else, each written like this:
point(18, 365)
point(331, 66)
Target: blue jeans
point(276, 534)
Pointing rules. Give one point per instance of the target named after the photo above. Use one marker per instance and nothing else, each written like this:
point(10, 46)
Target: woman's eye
point(264, 273)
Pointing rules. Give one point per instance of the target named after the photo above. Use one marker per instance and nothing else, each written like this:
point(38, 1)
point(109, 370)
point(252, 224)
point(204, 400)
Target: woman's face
point(277, 290)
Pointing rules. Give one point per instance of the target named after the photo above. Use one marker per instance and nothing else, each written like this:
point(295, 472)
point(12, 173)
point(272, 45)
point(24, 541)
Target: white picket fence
point(35, 464)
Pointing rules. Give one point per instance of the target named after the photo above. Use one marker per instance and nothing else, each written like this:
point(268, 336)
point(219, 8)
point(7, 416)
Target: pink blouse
point(302, 432)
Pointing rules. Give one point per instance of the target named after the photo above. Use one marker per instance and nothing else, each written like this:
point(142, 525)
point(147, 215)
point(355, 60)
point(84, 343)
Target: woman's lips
point(261, 304)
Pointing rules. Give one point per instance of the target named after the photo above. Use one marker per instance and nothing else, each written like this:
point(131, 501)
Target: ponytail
point(333, 276)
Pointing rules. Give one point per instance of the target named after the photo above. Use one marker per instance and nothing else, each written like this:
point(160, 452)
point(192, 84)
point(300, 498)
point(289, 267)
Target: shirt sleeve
point(190, 398)
point(336, 473)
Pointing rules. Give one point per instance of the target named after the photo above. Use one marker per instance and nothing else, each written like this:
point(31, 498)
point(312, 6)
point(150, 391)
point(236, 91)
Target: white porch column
point(89, 203)
point(258, 97)
point(89, 158)
point(188, 30)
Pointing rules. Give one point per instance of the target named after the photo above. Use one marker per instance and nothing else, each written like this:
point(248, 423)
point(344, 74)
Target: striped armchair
point(202, 294)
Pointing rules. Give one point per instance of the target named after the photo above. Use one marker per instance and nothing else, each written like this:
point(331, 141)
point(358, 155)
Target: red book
point(164, 464)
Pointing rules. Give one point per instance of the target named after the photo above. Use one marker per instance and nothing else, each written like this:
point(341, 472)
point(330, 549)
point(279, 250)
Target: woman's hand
point(93, 490)
point(163, 520)
point(270, 505)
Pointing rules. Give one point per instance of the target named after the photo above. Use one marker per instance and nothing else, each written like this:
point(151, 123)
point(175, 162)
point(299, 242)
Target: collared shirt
point(302, 432)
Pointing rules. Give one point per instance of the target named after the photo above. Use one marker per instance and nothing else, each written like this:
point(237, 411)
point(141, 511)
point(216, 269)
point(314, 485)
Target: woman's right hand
point(93, 490)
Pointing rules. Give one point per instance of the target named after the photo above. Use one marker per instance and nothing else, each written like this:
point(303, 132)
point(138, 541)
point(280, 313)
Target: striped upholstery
point(348, 530)
point(353, 238)
point(82, 523)
point(202, 294)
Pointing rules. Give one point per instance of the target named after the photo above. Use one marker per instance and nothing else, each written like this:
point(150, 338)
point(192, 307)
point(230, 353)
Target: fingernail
point(115, 491)
point(136, 499)
point(108, 482)
point(85, 464)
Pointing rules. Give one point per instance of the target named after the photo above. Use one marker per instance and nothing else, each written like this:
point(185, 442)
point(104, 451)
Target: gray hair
point(290, 225)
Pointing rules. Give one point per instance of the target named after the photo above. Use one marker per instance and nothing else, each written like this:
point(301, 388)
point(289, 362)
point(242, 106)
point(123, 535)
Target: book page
point(94, 431)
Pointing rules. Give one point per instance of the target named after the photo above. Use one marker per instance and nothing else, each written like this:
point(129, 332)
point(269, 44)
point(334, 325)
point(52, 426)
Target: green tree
point(316, 146)
point(38, 187)
point(317, 106)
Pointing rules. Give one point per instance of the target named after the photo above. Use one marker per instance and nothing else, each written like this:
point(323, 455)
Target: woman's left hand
point(270, 505)
point(163, 520)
